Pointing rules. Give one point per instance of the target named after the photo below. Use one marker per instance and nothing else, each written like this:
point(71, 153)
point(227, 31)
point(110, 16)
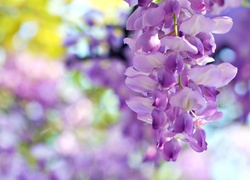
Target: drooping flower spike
point(172, 42)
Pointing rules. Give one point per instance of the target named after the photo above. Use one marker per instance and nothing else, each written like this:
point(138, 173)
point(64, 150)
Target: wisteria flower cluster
point(172, 44)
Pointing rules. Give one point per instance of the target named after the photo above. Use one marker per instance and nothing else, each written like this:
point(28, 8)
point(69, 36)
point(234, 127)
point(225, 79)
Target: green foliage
point(6, 100)
point(157, 1)
point(105, 101)
point(24, 149)
point(106, 109)
point(13, 16)
point(246, 3)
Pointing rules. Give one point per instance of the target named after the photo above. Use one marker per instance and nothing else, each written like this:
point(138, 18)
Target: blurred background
point(63, 114)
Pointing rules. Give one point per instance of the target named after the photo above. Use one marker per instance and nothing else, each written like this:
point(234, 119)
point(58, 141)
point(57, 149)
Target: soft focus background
point(63, 114)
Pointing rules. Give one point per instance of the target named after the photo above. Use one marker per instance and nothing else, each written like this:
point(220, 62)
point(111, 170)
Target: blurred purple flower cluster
point(47, 129)
point(105, 69)
point(233, 47)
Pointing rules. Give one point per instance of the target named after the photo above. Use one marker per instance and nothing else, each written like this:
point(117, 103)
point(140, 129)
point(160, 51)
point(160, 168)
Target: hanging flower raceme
point(172, 42)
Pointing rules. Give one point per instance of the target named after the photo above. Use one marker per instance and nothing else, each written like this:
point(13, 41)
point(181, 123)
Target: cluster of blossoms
point(40, 82)
point(46, 122)
point(172, 44)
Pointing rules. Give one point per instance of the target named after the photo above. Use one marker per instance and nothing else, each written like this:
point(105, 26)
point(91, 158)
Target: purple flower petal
point(153, 16)
point(143, 3)
point(130, 42)
point(160, 99)
point(178, 44)
point(211, 75)
point(188, 100)
point(223, 24)
point(145, 117)
point(132, 20)
point(171, 64)
point(198, 5)
point(196, 24)
point(183, 123)
point(208, 42)
point(198, 44)
point(141, 83)
point(204, 60)
point(199, 23)
point(171, 149)
point(198, 140)
point(131, 72)
point(140, 105)
point(159, 118)
point(216, 116)
point(172, 6)
point(166, 78)
point(148, 42)
point(219, 2)
point(209, 93)
point(132, 2)
point(228, 72)
point(147, 62)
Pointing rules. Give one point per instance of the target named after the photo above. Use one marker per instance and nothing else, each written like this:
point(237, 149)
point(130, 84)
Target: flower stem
point(175, 25)
point(177, 34)
point(179, 82)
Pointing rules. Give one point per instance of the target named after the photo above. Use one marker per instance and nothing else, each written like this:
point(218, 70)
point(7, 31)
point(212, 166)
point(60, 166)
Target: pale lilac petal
point(188, 100)
point(130, 42)
point(228, 72)
point(196, 24)
point(204, 60)
point(141, 83)
point(138, 24)
point(140, 105)
point(211, 75)
point(223, 24)
point(147, 62)
point(145, 117)
point(185, 4)
point(148, 42)
point(153, 16)
point(210, 110)
point(178, 44)
point(131, 72)
point(215, 117)
point(132, 2)
point(208, 75)
point(130, 25)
